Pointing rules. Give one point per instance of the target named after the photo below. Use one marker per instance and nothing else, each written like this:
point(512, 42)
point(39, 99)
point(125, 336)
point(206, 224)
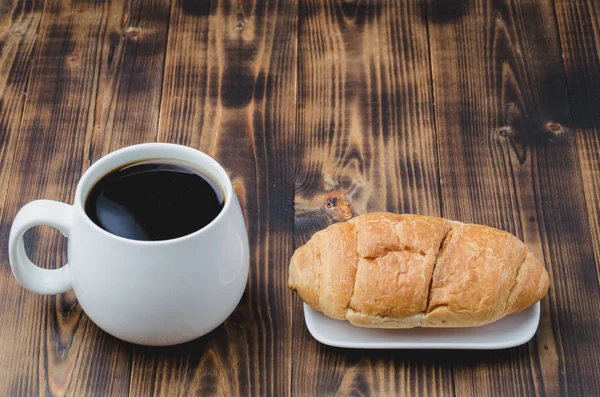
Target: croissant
point(383, 270)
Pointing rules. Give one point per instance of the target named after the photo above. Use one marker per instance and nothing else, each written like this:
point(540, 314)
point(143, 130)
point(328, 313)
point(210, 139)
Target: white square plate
point(513, 330)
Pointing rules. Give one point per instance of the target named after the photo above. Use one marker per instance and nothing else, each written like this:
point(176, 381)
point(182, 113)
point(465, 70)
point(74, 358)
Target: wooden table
point(483, 111)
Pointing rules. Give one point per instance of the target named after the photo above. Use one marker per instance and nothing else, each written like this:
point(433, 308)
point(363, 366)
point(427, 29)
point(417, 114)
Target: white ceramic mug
point(145, 292)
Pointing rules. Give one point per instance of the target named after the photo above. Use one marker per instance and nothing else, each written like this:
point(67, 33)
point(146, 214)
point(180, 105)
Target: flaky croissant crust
point(384, 270)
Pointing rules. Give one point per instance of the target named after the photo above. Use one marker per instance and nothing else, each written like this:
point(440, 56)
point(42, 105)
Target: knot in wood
point(505, 132)
point(340, 208)
point(80, 8)
point(240, 25)
point(331, 202)
point(132, 32)
point(554, 128)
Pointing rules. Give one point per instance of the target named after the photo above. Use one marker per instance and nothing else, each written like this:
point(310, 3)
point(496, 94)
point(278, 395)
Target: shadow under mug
point(146, 292)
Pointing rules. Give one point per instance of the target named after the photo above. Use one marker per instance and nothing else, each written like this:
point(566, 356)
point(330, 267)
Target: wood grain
point(48, 346)
point(478, 110)
point(229, 90)
point(365, 113)
point(508, 159)
point(18, 29)
point(579, 25)
point(366, 142)
point(131, 75)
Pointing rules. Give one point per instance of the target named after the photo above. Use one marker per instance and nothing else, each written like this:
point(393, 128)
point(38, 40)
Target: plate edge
point(387, 346)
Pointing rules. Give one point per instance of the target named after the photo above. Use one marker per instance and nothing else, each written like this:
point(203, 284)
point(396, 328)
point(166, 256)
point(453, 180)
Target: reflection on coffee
point(154, 200)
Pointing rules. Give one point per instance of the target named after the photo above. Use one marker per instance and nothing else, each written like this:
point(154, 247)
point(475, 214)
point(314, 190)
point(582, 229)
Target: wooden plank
point(579, 26)
point(131, 75)
point(18, 32)
point(507, 159)
point(366, 142)
point(229, 90)
point(48, 346)
point(18, 28)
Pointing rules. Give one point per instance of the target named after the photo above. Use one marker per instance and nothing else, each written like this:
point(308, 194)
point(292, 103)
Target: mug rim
point(227, 187)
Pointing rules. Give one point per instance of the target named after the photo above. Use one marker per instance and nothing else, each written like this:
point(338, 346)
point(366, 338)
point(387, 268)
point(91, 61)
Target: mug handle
point(30, 276)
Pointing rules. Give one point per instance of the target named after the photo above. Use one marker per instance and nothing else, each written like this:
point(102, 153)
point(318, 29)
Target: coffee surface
point(154, 200)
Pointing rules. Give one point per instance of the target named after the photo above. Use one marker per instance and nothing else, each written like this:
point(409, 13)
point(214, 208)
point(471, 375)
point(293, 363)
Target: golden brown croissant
point(384, 270)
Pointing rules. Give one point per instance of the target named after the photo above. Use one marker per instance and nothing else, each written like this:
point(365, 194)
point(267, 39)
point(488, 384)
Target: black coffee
point(154, 200)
